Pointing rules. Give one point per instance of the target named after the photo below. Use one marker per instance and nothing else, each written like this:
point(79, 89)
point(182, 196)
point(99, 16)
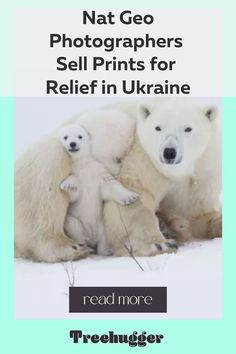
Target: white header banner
point(120, 52)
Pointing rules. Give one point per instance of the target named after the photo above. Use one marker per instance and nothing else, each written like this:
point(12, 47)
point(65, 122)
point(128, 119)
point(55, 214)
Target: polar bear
point(173, 163)
point(88, 186)
point(192, 186)
point(40, 205)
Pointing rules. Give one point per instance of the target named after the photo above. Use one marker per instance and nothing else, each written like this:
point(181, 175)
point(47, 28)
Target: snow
point(192, 276)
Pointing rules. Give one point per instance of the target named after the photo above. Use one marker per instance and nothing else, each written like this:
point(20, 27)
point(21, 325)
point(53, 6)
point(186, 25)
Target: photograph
point(117, 192)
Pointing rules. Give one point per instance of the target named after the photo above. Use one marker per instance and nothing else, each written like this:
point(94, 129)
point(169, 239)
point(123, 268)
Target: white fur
point(111, 133)
point(192, 187)
point(190, 184)
point(88, 186)
point(40, 205)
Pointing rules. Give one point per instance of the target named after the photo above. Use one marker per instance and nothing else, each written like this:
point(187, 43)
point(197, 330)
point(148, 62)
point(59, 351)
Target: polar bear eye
point(80, 137)
point(158, 128)
point(188, 129)
point(65, 137)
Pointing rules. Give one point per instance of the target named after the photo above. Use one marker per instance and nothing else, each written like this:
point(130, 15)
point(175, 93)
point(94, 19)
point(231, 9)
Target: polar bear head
point(175, 133)
point(75, 140)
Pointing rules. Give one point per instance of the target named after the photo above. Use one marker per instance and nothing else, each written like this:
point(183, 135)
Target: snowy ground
point(192, 277)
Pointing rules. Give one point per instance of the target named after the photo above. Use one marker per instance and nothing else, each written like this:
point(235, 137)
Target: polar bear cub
point(87, 187)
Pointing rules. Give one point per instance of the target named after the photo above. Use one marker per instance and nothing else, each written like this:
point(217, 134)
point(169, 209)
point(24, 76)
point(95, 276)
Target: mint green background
point(184, 336)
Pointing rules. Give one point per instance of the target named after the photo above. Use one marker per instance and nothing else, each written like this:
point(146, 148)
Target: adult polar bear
point(175, 162)
point(193, 183)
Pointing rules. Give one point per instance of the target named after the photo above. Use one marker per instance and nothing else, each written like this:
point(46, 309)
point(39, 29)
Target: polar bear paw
point(169, 246)
point(76, 251)
point(69, 185)
point(63, 249)
point(127, 197)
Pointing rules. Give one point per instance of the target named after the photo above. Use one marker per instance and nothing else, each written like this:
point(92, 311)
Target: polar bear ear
point(143, 111)
point(210, 113)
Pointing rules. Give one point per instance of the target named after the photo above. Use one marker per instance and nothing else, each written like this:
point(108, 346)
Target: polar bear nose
point(72, 145)
point(169, 154)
